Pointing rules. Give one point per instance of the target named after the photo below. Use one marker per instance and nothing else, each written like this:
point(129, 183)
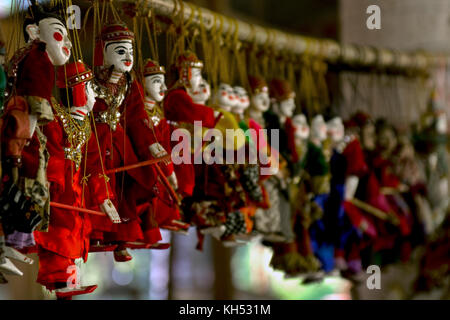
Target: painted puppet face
point(261, 101)
point(287, 107)
point(53, 33)
point(242, 100)
point(225, 96)
point(368, 136)
point(90, 94)
point(336, 129)
point(120, 55)
point(301, 127)
point(319, 128)
point(202, 94)
point(155, 87)
point(387, 140)
point(196, 79)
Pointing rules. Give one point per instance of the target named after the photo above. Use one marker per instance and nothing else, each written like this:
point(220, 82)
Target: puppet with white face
point(301, 127)
point(54, 34)
point(155, 87)
point(195, 80)
point(242, 101)
point(318, 130)
point(155, 91)
point(336, 130)
point(33, 71)
point(259, 99)
point(225, 97)
point(202, 95)
point(283, 99)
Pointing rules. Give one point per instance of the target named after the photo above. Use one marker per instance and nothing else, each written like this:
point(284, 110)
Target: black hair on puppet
point(37, 13)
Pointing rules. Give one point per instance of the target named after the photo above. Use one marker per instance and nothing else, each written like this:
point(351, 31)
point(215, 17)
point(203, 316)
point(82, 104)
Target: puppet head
point(361, 123)
point(318, 128)
point(77, 78)
point(155, 86)
point(284, 97)
point(301, 126)
point(189, 71)
point(50, 29)
point(225, 97)
point(259, 92)
point(202, 95)
point(336, 129)
point(386, 141)
point(114, 48)
point(242, 100)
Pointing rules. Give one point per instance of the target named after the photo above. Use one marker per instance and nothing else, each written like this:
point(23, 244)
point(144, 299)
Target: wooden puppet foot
point(68, 293)
point(100, 247)
point(181, 224)
point(122, 255)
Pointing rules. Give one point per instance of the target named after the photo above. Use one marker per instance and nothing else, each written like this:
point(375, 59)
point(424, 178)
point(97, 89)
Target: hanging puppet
point(112, 148)
point(25, 193)
point(165, 210)
point(68, 236)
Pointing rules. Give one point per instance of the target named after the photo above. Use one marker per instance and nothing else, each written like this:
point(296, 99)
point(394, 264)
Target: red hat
point(185, 62)
point(359, 119)
point(152, 67)
point(257, 85)
point(281, 90)
point(112, 32)
point(74, 75)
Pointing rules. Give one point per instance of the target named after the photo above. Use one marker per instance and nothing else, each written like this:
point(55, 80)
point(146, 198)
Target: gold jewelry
point(78, 133)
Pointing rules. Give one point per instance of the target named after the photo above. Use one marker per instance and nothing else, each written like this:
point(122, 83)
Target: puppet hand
point(157, 150)
point(351, 185)
point(217, 114)
point(108, 207)
point(16, 255)
point(173, 181)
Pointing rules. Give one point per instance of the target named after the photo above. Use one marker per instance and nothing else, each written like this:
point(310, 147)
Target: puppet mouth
point(66, 51)
point(162, 94)
point(127, 63)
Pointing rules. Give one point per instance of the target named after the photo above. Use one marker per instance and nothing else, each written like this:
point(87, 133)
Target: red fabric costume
point(20, 147)
point(143, 133)
point(68, 236)
point(111, 148)
point(179, 108)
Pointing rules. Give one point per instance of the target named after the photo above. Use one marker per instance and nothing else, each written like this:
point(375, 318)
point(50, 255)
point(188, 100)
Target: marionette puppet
point(392, 187)
point(267, 221)
point(182, 111)
point(430, 140)
point(111, 148)
point(297, 257)
point(67, 238)
point(280, 118)
point(369, 198)
point(346, 223)
point(224, 177)
point(411, 173)
point(167, 214)
point(25, 193)
point(317, 166)
point(250, 177)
